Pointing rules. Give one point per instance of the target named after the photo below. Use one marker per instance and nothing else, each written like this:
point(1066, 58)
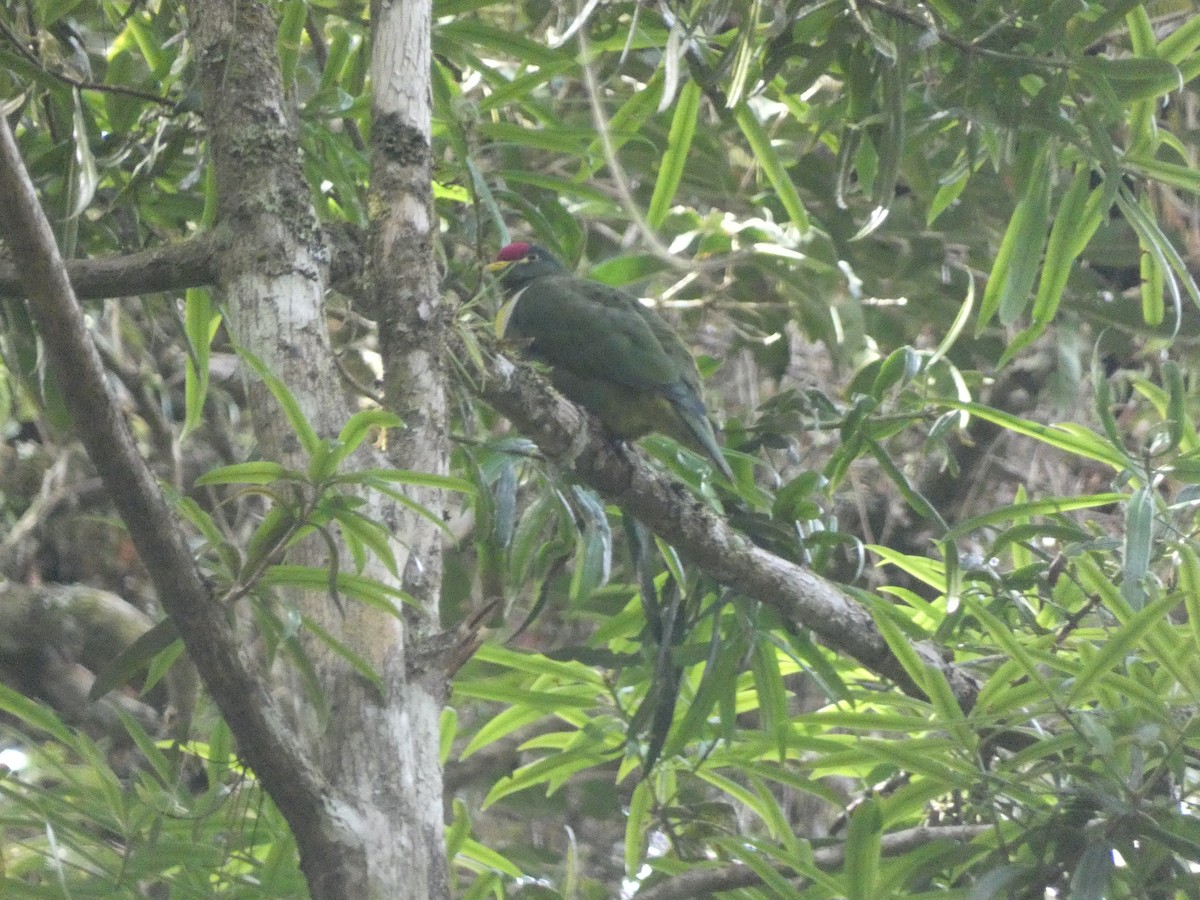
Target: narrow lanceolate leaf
point(772, 165)
point(1135, 77)
point(624, 124)
point(33, 713)
point(357, 662)
point(134, 658)
point(1044, 507)
point(261, 471)
point(1181, 42)
point(1139, 539)
point(1183, 177)
point(1153, 288)
point(1119, 644)
point(86, 175)
point(1020, 252)
point(1151, 236)
point(287, 44)
point(637, 823)
point(899, 644)
point(305, 433)
point(1079, 215)
point(1189, 582)
point(356, 429)
point(863, 841)
point(200, 324)
point(1102, 400)
point(772, 695)
point(679, 144)
point(1065, 436)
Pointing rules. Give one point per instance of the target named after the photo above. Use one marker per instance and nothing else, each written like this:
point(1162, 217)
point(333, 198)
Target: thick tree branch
point(171, 267)
point(184, 264)
point(228, 671)
point(571, 438)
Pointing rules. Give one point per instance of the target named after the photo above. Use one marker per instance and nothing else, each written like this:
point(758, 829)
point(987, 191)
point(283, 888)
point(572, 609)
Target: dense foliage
point(935, 261)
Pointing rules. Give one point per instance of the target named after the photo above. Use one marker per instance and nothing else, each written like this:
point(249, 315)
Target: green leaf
point(772, 166)
point(316, 578)
point(134, 658)
point(1139, 544)
point(500, 725)
point(34, 714)
point(1102, 400)
point(1020, 252)
point(569, 697)
point(475, 32)
point(1119, 644)
point(637, 824)
point(946, 195)
point(1183, 177)
point(551, 769)
point(719, 672)
point(1153, 285)
point(86, 176)
point(262, 471)
point(1044, 507)
point(1181, 42)
point(772, 695)
point(900, 645)
point(913, 496)
point(299, 423)
point(159, 764)
point(370, 533)
point(1079, 215)
point(485, 856)
point(356, 429)
point(1065, 436)
point(1189, 583)
point(357, 662)
point(679, 144)
point(201, 323)
point(287, 43)
point(1134, 77)
point(568, 672)
point(1151, 237)
point(623, 125)
point(863, 844)
point(373, 477)
point(593, 553)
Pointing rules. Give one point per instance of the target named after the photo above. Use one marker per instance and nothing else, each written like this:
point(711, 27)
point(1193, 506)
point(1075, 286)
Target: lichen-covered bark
point(379, 754)
point(412, 322)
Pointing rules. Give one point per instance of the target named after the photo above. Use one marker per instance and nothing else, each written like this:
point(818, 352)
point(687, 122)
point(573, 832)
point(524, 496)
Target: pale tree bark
point(413, 320)
point(379, 754)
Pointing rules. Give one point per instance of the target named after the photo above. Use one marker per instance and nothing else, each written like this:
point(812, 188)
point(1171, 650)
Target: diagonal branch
point(568, 436)
point(231, 676)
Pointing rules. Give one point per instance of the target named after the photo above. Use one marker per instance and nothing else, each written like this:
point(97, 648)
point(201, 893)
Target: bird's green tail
point(698, 430)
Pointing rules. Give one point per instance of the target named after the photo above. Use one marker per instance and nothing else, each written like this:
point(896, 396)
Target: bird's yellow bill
point(498, 266)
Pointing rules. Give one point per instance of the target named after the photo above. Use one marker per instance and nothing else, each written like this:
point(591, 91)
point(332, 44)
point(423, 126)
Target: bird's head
point(520, 263)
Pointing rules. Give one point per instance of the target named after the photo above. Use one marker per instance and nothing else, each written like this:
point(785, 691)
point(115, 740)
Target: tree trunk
point(379, 754)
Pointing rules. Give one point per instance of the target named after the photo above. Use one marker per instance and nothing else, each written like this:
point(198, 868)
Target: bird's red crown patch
point(513, 252)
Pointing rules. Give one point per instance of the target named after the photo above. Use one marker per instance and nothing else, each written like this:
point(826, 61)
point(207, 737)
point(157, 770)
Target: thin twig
point(80, 83)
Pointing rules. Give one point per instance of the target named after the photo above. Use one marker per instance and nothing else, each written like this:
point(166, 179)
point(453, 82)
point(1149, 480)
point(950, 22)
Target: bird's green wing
point(616, 357)
point(597, 332)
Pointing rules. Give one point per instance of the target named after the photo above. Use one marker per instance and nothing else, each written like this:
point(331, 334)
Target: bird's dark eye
point(531, 257)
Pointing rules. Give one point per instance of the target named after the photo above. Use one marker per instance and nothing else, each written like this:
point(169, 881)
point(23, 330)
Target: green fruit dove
point(608, 352)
